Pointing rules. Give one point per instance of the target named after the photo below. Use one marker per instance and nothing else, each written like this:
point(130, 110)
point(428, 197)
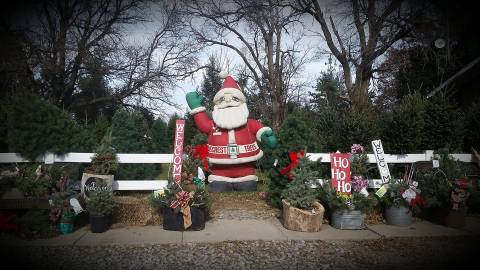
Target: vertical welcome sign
point(382, 167)
point(178, 150)
point(340, 165)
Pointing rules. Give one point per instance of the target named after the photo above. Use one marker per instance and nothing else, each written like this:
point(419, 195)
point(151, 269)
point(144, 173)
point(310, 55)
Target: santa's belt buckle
point(233, 150)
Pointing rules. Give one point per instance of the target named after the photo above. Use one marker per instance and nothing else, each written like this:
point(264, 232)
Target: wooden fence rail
point(50, 158)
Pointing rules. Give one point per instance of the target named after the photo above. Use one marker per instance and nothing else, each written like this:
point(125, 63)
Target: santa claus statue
point(232, 138)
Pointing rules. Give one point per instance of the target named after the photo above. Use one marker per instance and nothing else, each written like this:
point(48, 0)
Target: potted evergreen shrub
point(100, 206)
point(446, 190)
point(185, 204)
point(103, 166)
point(301, 211)
point(348, 210)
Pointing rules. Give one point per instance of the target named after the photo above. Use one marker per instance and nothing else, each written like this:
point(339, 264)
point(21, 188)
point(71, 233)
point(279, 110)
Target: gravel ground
point(399, 253)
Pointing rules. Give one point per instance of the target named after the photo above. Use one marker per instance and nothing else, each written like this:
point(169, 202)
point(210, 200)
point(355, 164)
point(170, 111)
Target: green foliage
point(105, 160)
point(35, 127)
point(437, 185)
point(101, 203)
point(158, 132)
point(405, 134)
point(328, 124)
point(171, 131)
point(338, 201)
point(299, 192)
point(295, 132)
point(211, 82)
point(357, 126)
point(129, 131)
point(444, 124)
point(393, 196)
point(327, 91)
point(199, 139)
point(35, 223)
point(278, 182)
point(472, 127)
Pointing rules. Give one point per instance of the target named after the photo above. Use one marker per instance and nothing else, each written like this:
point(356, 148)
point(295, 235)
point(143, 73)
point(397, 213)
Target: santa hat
point(230, 86)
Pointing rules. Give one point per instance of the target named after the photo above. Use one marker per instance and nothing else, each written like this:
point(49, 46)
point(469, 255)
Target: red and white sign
point(178, 150)
point(340, 164)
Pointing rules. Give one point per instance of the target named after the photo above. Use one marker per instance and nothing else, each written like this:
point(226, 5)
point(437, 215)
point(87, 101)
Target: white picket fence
point(50, 158)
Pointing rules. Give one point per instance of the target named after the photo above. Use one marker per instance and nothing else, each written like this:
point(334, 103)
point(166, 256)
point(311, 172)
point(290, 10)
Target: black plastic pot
point(99, 224)
point(174, 221)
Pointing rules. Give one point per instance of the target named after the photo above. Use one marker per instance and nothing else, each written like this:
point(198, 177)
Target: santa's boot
point(233, 177)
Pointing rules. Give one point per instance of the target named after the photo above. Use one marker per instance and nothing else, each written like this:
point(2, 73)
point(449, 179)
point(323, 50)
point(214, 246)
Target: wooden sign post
point(178, 150)
point(340, 164)
point(382, 166)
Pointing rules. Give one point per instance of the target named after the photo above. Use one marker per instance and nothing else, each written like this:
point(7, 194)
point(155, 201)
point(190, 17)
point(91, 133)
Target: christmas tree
point(105, 159)
point(299, 192)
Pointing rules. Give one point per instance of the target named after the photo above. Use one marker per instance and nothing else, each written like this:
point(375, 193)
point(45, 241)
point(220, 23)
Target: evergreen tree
point(444, 124)
point(327, 90)
point(91, 86)
point(158, 132)
point(472, 127)
point(296, 132)
point(357, 126)
point(328, 123)
point(211, 82)
point(36, 126)
point(299, 192)
point(405, 133)
point(171, 131)
point(129, 130)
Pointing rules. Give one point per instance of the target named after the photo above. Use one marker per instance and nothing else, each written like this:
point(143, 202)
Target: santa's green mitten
point(194, 100)
point(269, 138)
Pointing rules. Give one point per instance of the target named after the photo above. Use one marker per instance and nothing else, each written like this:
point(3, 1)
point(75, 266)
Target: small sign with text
point(340, 164)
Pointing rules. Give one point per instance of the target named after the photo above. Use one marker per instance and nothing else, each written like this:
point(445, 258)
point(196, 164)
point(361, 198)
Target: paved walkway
point(232, 230)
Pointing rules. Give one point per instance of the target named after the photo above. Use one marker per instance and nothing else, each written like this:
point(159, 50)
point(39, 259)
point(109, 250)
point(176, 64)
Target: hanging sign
point(340, 164)
point(382, 166)
point(178, 150)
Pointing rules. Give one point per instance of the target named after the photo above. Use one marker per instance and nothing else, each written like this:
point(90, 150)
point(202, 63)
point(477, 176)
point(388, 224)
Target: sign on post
point(340, 165)
point(178, 150)
point(382, 166)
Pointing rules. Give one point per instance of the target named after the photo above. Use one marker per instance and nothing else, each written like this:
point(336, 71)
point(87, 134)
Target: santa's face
point(230, 110)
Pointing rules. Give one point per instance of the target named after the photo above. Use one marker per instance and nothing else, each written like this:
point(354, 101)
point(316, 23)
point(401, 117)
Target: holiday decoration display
point(184, 203)
point(348, 199)
point(232, 138)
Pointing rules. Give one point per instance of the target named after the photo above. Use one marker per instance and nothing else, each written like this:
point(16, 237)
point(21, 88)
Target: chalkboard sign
point(91, 183)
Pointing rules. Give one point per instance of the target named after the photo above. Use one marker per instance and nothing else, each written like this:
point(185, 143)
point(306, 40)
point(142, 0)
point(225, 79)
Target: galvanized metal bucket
point(348, 219)
point(398, 216)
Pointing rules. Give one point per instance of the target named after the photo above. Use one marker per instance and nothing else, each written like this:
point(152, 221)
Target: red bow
point(182, 199)
point(294, 156)
point(201, 151)
point(418, 200)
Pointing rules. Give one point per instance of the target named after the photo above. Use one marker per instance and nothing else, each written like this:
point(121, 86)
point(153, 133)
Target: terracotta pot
point(296, 219)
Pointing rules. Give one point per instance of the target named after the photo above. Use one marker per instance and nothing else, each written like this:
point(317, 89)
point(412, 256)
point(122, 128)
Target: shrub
point(299, 192)
point(36, 126)
point(405, 132)
point(444, 124)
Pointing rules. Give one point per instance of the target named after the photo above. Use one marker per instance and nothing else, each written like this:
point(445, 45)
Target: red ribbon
point(294, 157)
point(182, 199)
point(418, 200)
point(201, 151)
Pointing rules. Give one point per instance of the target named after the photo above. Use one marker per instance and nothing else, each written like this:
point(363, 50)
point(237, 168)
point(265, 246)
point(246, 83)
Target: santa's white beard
point(230, 117)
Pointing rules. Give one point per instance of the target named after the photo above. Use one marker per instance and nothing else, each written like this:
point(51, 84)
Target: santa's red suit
point(232, 142)
point(233, 152)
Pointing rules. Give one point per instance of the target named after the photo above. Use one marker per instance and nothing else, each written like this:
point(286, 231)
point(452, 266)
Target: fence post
point(49, 158)
point(428, 155)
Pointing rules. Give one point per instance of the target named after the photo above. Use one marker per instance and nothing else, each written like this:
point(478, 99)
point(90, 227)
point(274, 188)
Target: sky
point(310, 72)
